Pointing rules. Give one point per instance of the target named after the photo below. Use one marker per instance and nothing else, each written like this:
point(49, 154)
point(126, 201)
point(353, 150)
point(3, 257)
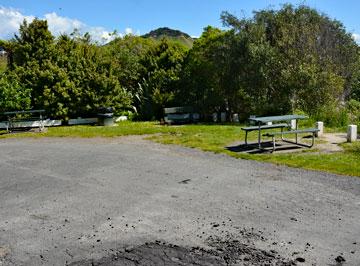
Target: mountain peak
point(166, 32)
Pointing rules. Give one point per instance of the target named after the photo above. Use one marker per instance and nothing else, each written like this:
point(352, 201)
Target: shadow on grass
point(253, 148)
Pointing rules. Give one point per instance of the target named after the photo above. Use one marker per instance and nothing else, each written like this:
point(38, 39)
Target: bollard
point(215, 117)
point(236, 118)
point(223, 117)
point(352, 133)
point(293, 124)
point(320, 126)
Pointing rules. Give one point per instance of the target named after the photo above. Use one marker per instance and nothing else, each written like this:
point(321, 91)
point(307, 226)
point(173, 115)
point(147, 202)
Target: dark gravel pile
point(220, 253)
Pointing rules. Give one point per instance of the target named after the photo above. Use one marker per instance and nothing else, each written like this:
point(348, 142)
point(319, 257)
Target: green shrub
point(332, 115)
point(353, 108)
point(12, 95)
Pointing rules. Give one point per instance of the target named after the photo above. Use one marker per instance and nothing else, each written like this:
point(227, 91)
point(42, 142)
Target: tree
point(162, 65)
point(68, 76)
point(294, 57)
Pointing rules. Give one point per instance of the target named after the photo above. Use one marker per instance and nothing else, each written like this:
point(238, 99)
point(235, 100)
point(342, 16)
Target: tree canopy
point(275, 62)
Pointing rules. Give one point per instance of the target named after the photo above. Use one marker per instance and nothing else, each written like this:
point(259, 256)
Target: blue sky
point(141, 16)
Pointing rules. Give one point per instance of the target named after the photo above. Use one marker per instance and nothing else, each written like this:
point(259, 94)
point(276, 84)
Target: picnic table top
point(24, 112)
point(265, 119)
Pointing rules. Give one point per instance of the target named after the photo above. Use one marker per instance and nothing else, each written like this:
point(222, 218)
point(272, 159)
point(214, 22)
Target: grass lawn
point(215, 138)
point(3, 63)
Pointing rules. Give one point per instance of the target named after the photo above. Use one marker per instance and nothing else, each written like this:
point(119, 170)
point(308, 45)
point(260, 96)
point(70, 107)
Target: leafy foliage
point(67, 77)
point(276, 62)
point(12, 95)
point(160, 76)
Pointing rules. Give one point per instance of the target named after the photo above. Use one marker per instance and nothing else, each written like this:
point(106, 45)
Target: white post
point(320, 126)
point(352, 133)
point(236, 118)
point(215, 117)
point(252, 122)
point(223, 116)
point(293, 124)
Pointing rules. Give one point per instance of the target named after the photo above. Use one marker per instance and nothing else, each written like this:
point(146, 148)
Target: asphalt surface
point(88, 201)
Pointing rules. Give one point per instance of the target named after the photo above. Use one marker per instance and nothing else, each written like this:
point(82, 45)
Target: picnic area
point(235, 144)
point(101, 200)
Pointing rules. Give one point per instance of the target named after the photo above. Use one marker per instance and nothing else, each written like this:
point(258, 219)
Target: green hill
point(171, 34)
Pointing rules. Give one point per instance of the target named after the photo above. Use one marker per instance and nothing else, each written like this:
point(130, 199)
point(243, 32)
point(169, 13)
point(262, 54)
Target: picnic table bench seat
point(255, 128)
point(180, 115)
point(14, 122)
point(313, 131)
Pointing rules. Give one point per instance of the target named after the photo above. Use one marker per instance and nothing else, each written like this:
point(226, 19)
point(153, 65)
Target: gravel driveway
point(124, 201)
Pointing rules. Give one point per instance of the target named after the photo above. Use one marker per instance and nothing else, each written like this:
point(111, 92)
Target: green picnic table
point(12, 118)
point(260, 121)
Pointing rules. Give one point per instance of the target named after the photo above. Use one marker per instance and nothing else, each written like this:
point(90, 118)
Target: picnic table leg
point(41, 126)
point(274, 145)
point(10, 124)
point(296, 128)
point(259, 136)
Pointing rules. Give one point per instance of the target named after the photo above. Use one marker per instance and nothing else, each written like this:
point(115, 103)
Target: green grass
point(215, 138)
point(124, 129)
point(3, 63)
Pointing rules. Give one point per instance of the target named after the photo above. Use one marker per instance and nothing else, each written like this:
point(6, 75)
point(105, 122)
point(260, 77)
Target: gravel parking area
point(127, 201)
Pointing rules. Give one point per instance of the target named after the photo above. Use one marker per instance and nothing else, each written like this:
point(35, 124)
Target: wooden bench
point(14, 121)
point(296, 132)
point(256, 128)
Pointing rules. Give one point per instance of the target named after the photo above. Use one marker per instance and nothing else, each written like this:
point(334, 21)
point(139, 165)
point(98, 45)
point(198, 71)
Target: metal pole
point(259, 136)
point(296, 128)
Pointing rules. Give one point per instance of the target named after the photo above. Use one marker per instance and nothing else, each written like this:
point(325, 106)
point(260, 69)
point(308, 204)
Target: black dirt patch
point(340, 259)
point(300, 259)
point(219, 253)
point(185, 181)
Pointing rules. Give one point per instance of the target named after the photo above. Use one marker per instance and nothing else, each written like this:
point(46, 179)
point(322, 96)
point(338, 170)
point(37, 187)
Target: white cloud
point(60, 25)
point(128, 31)
point(10, 20)
point(356, 37)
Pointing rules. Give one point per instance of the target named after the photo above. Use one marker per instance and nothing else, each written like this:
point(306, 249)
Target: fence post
point(293, 124)
point(236, 118)
point(352, 133)
point(320, 126)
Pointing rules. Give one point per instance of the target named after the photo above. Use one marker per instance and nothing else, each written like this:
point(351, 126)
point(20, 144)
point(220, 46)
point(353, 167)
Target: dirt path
point(133, 202)
point(332, 142)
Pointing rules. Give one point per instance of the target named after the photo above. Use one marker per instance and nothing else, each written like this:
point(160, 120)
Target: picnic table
point(261, 124)
point(12, 119)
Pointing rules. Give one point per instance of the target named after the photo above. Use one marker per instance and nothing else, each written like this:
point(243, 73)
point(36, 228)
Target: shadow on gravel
point(220, 253)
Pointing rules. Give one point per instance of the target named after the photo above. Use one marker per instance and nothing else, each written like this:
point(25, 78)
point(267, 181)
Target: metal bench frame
point(296, 132)
point(258, 128)
point(12, 119)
